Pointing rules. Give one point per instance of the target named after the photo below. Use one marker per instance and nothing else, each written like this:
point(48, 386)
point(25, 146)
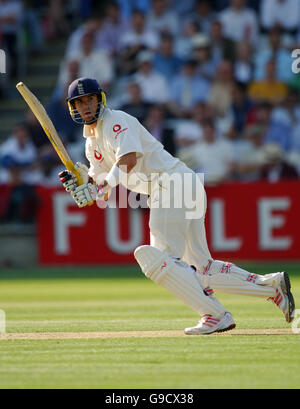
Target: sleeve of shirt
point(96, 172)
point(123, 135)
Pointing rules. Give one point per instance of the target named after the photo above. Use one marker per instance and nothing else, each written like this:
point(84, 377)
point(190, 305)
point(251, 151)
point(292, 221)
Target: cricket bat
point(46, 123)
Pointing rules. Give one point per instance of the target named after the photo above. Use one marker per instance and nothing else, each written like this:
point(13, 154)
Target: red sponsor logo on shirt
point(98, 156)
point(118, 129)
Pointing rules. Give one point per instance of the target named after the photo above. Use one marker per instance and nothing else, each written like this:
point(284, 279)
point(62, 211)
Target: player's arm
point(89, 192)
point(127, 162)
point(121, 168)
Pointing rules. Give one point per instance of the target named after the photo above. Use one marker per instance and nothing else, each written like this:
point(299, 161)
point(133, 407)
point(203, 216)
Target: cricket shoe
point(207, 325)
point(284, 298)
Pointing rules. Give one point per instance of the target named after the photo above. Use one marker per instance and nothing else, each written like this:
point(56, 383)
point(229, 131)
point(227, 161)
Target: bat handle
point(72, 169)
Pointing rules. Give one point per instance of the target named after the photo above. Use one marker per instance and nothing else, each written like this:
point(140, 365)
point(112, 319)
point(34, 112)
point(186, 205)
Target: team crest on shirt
point(98, 156)
point(118, 129)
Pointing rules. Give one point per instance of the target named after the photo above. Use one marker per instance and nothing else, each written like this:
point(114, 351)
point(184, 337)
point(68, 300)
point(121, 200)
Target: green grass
point(121, 299)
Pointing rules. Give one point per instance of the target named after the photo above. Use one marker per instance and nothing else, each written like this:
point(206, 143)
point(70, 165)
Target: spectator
point(155, 123)
point(288, 112)
point(202, 53)
point(243, 66)
point(203, 15)
point(116, 25)
point(184, 41)
point(96, 23)
point(50, 167)
point(19, 155)
point(220, 5)
point(37, 134)
point(137, 38)
point(212, 156)
point(239, 22)
point(165, 61)
point(69, 71)
point(241, 107)
point(277, 52)
point(275, 167)
point(182, 8)
point(188, 88)
point(135, 104)
point(22, 204)
point(32, 23)
point(269, 90)
point(128, 7)
point(11, 24)
point(249, 154)
point(162, 19)
point(220, 97)
point(190, 131)
point(223, 124)
point(295, 143)
point(274, 131)
point(93, 63)
point(59, 113)
point(223, 48)
point(153, 85)
point(285, 13)
point(58, 25)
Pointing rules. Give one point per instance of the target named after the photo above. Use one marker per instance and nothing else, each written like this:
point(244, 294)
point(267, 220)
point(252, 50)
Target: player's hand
point(86, 194)
point(69, 180)
point(83, 170)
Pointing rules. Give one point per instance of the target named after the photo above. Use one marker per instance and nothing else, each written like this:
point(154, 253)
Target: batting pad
point(178, 278)
point(228, 278)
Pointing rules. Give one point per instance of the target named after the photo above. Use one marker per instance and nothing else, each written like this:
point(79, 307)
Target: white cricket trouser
point(178, 236)
point(170, 230)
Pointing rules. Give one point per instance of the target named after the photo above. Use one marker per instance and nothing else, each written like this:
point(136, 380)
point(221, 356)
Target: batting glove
point(86, 194)
point(69, 180)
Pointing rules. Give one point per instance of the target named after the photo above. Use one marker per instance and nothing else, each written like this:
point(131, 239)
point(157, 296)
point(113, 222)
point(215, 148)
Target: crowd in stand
point(211, 80)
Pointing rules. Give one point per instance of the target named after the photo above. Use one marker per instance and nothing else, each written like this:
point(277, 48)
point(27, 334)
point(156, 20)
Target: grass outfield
point(113, 328)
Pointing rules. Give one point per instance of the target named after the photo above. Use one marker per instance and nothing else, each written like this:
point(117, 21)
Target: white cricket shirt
point(118, 134)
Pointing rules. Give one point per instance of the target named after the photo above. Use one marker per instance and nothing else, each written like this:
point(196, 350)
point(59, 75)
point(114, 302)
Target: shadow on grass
point(80, 273)
point(124, 271)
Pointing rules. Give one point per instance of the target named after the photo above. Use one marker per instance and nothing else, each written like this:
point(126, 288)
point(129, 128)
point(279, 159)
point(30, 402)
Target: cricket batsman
point(121, 151)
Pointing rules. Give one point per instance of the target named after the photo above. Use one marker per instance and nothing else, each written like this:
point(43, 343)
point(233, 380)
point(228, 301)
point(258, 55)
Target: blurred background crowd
point(211, 80)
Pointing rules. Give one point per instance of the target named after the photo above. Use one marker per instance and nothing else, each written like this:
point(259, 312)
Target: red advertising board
point(244, 222)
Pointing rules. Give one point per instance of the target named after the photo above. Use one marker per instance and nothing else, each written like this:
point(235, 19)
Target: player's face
point(87, 107)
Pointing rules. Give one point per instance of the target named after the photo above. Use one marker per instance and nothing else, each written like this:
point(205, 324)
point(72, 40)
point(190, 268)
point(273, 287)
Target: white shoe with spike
point(208, 325)
point(284, 298)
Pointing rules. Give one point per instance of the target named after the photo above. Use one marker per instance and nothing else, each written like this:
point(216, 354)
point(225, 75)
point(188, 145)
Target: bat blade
point(40, 113)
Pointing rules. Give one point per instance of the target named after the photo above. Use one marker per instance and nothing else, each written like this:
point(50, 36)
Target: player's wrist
point(116, 176)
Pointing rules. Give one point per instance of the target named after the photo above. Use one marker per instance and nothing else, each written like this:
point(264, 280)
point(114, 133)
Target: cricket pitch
point(137, 334)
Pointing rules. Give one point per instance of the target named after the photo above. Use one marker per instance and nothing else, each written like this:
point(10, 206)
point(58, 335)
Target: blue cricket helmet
point(82, 87)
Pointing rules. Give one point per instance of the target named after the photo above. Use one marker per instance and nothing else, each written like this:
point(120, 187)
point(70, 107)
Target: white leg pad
point(228, 278)
point(178, 278)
